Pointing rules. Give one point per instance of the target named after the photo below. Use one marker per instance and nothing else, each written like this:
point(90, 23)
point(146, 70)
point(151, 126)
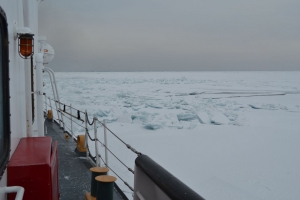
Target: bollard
point(105, 186)
point(50, 115)
point(80, 143)
point(96, 171)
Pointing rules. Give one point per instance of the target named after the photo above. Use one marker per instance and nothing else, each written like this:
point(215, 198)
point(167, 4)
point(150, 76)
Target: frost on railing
point(80, 119)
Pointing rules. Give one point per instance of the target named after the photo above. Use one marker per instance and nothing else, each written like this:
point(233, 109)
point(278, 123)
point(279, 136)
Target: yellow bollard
point(80, 143)
point(50, 115)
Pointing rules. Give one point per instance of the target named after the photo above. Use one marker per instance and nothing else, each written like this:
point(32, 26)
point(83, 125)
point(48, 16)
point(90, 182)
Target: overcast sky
point(172, 35)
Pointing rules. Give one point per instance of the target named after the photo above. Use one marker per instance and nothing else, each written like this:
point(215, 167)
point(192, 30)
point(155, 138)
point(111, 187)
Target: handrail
point(96, 159)
point(169, 184)
point(15, 189)
point(146, 169)
point(54, 90)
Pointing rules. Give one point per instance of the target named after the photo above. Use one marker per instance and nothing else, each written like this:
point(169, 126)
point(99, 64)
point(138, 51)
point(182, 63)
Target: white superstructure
point(25, 78)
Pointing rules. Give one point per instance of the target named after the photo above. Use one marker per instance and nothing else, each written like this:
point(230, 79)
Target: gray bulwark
point(73, 172)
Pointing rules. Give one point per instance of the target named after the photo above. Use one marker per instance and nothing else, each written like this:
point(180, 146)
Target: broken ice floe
point(219, 119)
point(186, 116)
point(203, 118)
point(154, 105)
point(125, 118)
point(152, 125)
point(288, 108)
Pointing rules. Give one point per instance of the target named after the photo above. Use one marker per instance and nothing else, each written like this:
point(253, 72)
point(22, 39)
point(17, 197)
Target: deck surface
point(73, 171)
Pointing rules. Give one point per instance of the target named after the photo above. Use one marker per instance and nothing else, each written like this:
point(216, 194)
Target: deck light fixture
point(26, 44)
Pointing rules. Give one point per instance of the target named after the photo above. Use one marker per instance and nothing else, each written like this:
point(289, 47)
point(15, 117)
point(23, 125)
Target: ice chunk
point(123, 95)
point(264, 106)
point(141, 116)
point(110, 119)
point(126, 118)
point(103, 113)
point(203, 118)
point(186, 116)
point(294, 108)
point(126, 105)
point(136, 108)
point(152, 125)
point(171, 117)
point(116, 111)
point(270, 107)
point(172, 120)
point(219, 119)
point(193, 93)
point(154, 105)
point(255, 106)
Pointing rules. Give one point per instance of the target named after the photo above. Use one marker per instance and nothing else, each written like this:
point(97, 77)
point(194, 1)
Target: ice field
point(227, 135)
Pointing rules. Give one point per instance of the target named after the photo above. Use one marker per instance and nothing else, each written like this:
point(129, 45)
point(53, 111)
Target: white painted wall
point(14, 14)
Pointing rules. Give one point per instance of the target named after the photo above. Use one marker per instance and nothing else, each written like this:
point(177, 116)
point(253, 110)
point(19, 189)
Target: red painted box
point(34, 166)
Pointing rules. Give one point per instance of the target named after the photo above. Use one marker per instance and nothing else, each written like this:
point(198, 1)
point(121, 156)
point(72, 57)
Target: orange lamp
point(26, 44)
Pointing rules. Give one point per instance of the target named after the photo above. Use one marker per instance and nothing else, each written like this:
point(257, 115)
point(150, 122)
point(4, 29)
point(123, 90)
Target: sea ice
point(152, 125)
point(255, 152)
point(126, 118)
point(219, 119)
point(203, 117)
point(186, 116)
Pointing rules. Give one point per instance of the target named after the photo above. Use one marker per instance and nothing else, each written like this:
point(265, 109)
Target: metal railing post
point(39, 93)
point(105, 142)
point(86, 137)
point(71, 118)
point(96, 142)
point(51, 109)
point(55, 98)
point(45, 129)
point(46, 103)
point(50, 71)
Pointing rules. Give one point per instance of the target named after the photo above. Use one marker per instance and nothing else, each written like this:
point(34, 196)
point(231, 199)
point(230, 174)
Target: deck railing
point(67, 116)
point(151, 181)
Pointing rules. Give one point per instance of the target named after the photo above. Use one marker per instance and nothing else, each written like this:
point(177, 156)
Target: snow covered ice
point(227, 135)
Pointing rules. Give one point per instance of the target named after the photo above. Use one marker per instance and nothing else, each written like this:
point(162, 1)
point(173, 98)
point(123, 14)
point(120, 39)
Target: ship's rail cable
point(116, 174)
point(93, 157)
point(86, 115)
point(127, 145)
point(70, 119)
point(47, 104)
point(88, 121)
point(129, 169)
point(87, 132)
point(64, 113)
point(64, 104)
point(78, 118)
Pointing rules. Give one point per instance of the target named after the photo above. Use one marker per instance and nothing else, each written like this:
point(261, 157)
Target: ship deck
point(73, 172)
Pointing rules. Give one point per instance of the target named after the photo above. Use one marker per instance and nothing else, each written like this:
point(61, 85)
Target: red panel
point(30, 168)
point(32, 151)
point(54, 172)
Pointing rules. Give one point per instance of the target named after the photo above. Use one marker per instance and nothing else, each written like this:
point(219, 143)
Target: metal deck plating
point(73, 171)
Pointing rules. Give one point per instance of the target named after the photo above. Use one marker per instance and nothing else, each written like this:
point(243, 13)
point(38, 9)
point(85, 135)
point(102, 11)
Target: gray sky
point(172, 35)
